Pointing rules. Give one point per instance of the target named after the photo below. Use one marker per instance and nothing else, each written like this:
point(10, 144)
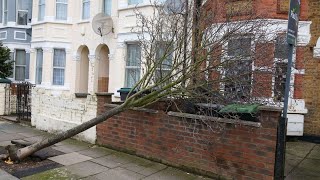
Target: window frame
point(21, 10)
point(137, 68)
point(38, 67)
point(244, 58)
point(131, 2)
point(1, 11)
point(59, 67)
point(15, 65)
point(41, 14)
point(5, 12)
point(279, 62)
point(104, 7)
point(162, 69)
point(82, 10)
point(66, 15)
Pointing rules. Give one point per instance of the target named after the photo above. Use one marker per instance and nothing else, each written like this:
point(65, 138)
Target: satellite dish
point(102, 24)
point(174, 6)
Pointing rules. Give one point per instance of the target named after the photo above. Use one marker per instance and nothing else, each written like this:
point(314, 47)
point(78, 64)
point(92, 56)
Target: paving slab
point(152, 169)
point(96, 152)
point(315, 153)
point(291, 162)
point(299, 149)
point(30, 134)
point(172, 174)
point(54, 174)
point(116, 159)
point(302, 161)
point(14, 128)
point(106, 162)
point(117, 174)
point(70, 148)
point(35, 139)
point(144, 166)
point(9, 137)
point(310, 167)
point(47, 153)
point(70, 158)
point(6, 176)
point(73, 142)
point(86, 168)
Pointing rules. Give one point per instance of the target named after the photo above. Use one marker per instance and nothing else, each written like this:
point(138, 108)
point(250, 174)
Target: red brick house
point(270, 58)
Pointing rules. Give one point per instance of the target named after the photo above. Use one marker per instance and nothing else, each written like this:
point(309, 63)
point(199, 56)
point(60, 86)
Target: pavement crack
point(301, 160)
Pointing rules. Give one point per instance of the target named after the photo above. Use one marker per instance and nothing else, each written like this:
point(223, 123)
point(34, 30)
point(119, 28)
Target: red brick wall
point(274, 9)
point(232, 151)
point(102, 99)
point(311, 81)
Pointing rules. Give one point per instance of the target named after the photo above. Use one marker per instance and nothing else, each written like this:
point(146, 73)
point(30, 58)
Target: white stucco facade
point(93, 63)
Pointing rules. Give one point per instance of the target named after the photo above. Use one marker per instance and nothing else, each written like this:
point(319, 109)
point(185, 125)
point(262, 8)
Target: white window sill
point(16, 26)
point(83, 21)
point(133, 6)
point(53, 87)
point(53, 22)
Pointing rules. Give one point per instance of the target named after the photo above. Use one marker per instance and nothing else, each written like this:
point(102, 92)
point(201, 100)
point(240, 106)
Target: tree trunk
point(16, 154)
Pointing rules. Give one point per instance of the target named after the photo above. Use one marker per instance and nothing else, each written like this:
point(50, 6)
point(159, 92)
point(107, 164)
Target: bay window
point(41, 13)
point(22, 12)
point(163, 61)
point(5, 12)
point(107, 4)
point(59, 63)
point(85, 9)
point(39, 65)
point(281, 58)
point(61, 9)
point(132, 2)
point(20, 65)
point(133, 65)
point(238, 69)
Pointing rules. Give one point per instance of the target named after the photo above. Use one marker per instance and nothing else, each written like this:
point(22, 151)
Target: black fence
point(23, 92)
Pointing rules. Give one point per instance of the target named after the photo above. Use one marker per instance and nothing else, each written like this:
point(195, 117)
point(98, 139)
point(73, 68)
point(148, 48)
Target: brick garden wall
point(240, 151)
point(310, 82)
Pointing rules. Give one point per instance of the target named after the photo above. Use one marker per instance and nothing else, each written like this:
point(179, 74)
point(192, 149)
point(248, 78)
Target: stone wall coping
point(81, 95)
point(104, 94)
point(270, 108)
point(216, 119)
point(134, 108)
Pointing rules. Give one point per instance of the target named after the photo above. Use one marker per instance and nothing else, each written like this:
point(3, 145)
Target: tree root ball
point(12, 151)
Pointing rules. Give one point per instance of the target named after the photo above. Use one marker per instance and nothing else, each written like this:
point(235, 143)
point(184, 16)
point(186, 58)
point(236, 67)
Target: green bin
point(5, 81)
point(244, 111)
point(124, 93)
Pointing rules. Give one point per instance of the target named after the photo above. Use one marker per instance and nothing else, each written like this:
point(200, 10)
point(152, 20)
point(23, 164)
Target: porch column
point(93, 73)
point(28, 65)
point(32, 67)
point(47, 66)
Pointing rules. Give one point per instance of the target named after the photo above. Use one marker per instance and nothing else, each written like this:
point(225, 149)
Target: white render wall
point(13, 101)
point(2, 98)
point(55, 108)
point(57, 111)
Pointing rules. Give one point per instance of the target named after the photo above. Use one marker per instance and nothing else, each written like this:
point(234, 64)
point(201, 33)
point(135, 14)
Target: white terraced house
point(70, 63)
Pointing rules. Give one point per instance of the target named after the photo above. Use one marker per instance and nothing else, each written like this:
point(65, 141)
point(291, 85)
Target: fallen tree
point(187, 53)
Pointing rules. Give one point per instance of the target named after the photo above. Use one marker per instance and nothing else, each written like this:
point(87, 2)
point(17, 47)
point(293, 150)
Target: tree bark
point(17, 154)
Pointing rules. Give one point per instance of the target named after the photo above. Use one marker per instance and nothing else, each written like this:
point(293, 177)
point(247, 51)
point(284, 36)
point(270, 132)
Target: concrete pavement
point(79, 160)
point(302, 161)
